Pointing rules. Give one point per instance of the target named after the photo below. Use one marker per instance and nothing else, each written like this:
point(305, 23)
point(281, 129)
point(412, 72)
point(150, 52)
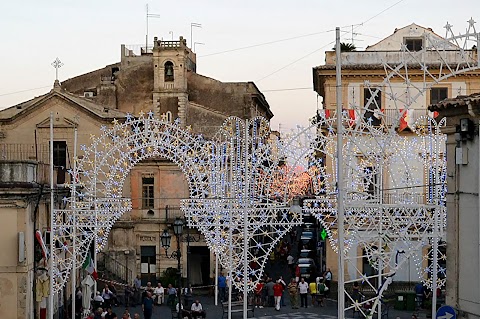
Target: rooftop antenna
point(195, 44)
point(149, 15)
point(193, 25)
point(353, 33)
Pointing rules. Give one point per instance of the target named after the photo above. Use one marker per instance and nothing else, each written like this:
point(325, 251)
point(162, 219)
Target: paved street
point(215, 312)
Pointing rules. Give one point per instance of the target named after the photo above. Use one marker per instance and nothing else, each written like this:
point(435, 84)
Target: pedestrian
point(277, 293)
point(270, 292)
point(291, 263)
point(110, 314)
point(303, 289)
point(328, 281)
point(293, 292)
point(222, 287)
point(107, 296)
point(259, 294)
point(297, 274)
point(187, 295)
point(284, 285)
point(129, 291)
point(321, 288)
point(172, 293)
point(312, 287)
point(147, 305)
point(137, 285)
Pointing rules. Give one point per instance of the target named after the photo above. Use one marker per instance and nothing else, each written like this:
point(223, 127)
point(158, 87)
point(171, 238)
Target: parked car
point(307, 240)
point(307, 271)
point(306, 253)
point(306, 261)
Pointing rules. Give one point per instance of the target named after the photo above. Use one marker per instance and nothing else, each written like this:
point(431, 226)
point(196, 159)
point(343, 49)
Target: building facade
point(463, 218)
point(387, 85)
point(163, 80)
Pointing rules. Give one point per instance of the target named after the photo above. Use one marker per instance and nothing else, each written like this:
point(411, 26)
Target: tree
point(346, 47)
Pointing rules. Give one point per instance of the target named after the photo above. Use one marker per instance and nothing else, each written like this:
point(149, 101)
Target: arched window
point(168, 66)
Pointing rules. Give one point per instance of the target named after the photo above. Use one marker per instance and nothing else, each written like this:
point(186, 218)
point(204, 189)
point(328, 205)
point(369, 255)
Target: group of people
point(270, 293)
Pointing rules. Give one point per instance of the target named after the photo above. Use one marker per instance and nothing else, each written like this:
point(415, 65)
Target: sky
point(274, 43)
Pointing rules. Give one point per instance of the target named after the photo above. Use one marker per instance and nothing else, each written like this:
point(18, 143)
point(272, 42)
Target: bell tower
point(171, 62)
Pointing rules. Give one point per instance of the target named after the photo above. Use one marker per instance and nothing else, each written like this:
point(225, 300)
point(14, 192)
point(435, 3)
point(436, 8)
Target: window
point(372, 109)
point(60, 154)
point(147, 192)
point(168, 66)
point(438, 94)
point(414, 44)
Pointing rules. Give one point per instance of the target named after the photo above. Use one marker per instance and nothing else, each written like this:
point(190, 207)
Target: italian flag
point(89, 266)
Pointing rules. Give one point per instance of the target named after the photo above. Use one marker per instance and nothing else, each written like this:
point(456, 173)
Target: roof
point(90, 106)
point(461, 100)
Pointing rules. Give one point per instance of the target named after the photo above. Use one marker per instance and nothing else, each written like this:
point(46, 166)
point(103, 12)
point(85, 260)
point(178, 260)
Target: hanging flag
point(352, 116)
point(38, 236)
point(403, 123)
point(89, 266)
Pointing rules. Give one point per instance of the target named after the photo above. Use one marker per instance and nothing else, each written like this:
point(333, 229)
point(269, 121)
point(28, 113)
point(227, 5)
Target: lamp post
point(165, 239)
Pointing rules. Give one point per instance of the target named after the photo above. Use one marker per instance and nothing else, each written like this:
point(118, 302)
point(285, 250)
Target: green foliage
point(347, 47)
point(169, 276)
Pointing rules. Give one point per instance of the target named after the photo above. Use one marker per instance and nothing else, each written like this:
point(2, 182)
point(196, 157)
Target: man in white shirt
point(303, 289)
point(197, 310)
point(159, 292)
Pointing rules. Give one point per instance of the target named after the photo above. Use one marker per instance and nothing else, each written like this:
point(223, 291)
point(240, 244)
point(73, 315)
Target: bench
point(237, 307)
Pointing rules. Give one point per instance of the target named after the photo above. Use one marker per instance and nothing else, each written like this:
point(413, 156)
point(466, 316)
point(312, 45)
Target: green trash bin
point(410, 301)
point(401, 302)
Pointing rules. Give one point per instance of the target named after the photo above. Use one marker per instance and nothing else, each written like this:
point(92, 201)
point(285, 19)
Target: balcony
point(30, 163)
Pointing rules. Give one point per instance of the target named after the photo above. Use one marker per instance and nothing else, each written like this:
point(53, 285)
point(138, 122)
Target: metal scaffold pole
point(340, 208)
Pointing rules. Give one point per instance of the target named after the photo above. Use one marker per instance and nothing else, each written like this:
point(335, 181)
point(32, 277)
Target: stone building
point(163, 80)
point(365, 71)
point(463, 218)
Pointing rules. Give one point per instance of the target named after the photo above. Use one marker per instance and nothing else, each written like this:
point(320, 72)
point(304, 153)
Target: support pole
point(216, 280)
point(340, 208)
point(245, 224)
point(74, 232)
point(52, 217)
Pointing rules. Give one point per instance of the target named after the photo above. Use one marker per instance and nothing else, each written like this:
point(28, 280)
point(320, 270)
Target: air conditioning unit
point(87, 94)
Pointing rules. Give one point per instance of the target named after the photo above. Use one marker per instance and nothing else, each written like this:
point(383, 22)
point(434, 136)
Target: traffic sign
point(446, 312)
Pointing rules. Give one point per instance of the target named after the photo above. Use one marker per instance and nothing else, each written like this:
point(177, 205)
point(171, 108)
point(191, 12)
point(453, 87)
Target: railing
point(137, 50)
point(24, 152)
point(172, 212)
point(169, 86)
point(113, 268)
point(169, 44)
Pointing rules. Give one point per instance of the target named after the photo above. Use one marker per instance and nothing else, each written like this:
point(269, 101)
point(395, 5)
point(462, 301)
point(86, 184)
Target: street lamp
point(165, 240)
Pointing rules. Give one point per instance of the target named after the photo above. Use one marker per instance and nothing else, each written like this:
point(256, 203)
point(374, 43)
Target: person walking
point(172, 294)
point(259, 294)
point(303, 289)
point(312, 287)
point(137, 285)
point(284, 285)
point(222, 287)
point(147, 305)
point(270, 292)
point(328, 281)
point(277, 293)
point(293, 292)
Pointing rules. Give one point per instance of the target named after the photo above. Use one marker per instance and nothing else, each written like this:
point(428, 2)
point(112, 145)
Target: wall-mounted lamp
point(465, 130)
